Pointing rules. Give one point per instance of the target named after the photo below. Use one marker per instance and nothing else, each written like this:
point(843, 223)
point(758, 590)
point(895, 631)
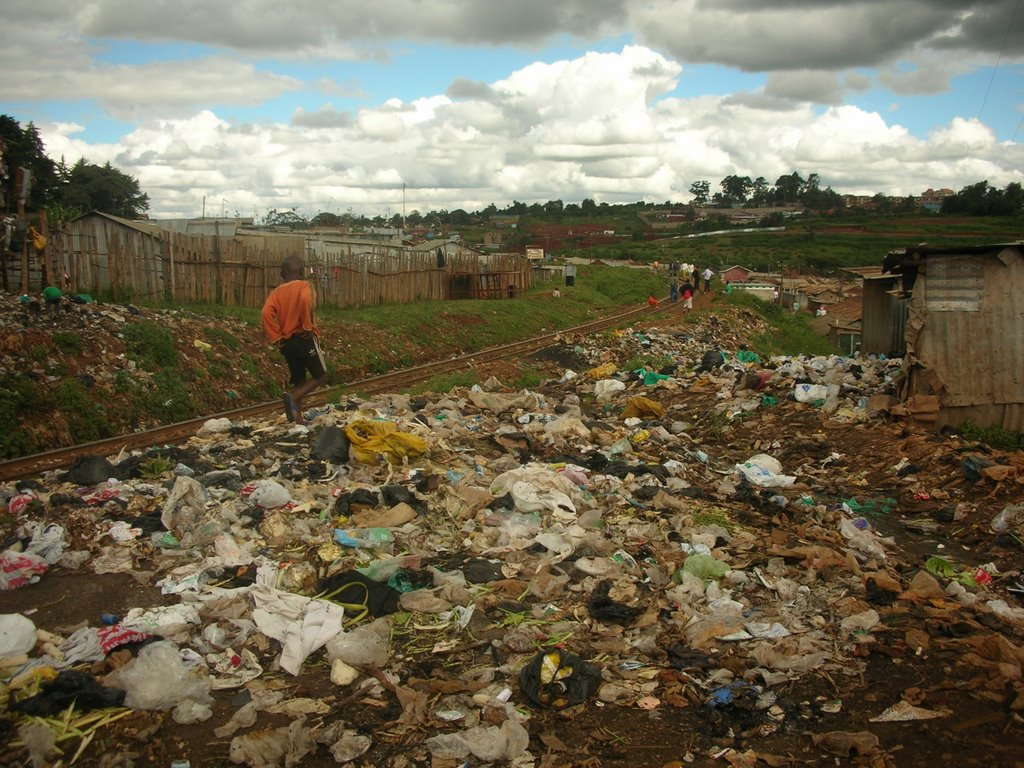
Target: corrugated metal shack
point(964, 333)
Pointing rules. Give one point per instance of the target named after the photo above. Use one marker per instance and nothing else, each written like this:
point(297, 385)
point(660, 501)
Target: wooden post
point(216, 259)
point(169, 283)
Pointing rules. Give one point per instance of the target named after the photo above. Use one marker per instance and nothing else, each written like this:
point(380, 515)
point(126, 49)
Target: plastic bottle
point(369, 538)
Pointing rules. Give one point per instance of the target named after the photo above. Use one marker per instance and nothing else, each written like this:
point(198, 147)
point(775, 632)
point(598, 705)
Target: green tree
point(701, 191)
point(23, 148)
point(906, 205)
point(982, 200)
point(105, 189)
point(290, 219)
point(554, 208)
point(759, 192)
point(736, 188)
point(588, 206)
point(788, 188)
point(326, 219)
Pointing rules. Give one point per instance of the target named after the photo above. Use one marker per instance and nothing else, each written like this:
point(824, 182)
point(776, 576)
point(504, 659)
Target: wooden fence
point(101, 256)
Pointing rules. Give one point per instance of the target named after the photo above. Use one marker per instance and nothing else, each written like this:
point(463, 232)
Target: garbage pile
point(492, 577)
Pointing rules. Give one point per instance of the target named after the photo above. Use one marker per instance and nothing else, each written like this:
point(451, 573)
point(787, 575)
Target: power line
point(999, 59)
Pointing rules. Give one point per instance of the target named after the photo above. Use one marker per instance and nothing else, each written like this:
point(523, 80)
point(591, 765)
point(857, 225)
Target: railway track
point(170, 434)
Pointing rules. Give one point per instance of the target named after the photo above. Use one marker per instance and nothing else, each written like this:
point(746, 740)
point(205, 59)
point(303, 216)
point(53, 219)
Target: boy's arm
point(309, 309)
point(271, 320)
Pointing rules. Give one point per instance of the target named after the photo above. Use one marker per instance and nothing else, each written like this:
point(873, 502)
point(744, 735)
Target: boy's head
point(293, 268)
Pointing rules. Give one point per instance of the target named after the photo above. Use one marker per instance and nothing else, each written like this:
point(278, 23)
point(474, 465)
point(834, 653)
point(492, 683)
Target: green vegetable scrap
point(943, 568)
point(705, 567)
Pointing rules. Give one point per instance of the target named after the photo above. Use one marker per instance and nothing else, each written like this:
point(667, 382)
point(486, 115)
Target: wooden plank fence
point(102, 257)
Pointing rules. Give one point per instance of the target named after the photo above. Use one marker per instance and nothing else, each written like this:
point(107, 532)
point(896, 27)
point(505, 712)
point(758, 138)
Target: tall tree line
point(61, 190)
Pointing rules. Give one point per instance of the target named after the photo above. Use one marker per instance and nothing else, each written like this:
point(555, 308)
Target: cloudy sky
point(336, 105)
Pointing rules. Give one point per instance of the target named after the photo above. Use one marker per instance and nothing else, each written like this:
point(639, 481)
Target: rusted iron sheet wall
point(965, 336)
point(883, 317)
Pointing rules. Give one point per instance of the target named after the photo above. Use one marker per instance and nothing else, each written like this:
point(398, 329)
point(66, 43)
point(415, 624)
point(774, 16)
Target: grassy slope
point(818, 244)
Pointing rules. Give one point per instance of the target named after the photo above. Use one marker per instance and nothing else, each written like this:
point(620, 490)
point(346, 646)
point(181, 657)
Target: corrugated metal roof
point(865, 272)
point(138, 225)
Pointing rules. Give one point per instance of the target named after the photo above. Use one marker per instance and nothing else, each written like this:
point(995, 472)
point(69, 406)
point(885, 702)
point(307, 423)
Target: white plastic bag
point(17, 635)
point(158, 679)
point(808, 393)
point(364, 645)
point(1011, 517)
point(269, 495)
point(765, 471)
point(606, 389)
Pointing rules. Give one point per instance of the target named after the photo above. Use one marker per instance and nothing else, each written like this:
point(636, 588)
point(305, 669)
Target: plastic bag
point(158, 679)
point(18, 569)
point(1011, 517)
point(764, 471)
point(559, 679)
point(89, 470)
point(371, 439)
point(705, 567)
point(267, 494)
point(809, 393)
point(214, 427)
point(491, 744)
point(363, 645)
point(602, 607)
point(643, 408)
point(48, 541)
point(606, 389)
point(332, 445)
point(185, 504)
point(17, 634)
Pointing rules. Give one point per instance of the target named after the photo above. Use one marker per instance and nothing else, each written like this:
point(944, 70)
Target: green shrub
point(19, 397)
point(222, 337)
point(150, 345)
point(789, 333)
point(86, 421)
point(68, 341)
point(996, 437)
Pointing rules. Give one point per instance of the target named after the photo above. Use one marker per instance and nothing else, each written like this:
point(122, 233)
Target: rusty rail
point(168, 434)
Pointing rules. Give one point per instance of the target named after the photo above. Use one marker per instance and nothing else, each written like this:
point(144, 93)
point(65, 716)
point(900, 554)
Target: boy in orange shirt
point(288, 322)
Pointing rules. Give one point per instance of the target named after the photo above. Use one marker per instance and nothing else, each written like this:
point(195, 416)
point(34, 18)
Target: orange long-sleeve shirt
point(289, 310)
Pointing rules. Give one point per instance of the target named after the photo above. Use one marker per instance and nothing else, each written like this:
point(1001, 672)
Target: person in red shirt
point(288, 322)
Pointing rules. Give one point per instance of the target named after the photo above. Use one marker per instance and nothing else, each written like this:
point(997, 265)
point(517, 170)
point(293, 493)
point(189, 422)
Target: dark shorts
point(302, 353)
